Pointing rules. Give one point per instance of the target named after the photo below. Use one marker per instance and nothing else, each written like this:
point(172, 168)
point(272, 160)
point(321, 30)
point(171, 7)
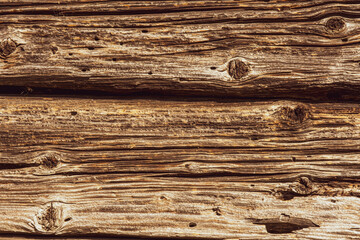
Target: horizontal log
point(179, 169)
point(247, 49)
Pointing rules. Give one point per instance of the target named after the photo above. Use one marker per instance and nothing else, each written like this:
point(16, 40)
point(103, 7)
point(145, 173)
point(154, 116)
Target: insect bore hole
point(192, 224)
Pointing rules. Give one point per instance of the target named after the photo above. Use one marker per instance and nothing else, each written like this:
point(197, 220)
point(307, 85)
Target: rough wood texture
point(179, 169)
point(292, 49)
point(264, 144)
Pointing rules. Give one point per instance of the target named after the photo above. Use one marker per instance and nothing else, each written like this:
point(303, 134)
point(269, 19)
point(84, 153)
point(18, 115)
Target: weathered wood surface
point(291, 49)
point(171, 168)
point(179, 169)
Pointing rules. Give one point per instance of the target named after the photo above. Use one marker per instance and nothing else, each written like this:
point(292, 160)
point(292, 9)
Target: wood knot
point(284, 223)
point(50, 160)
point(297, 114)
point(238, 69)
point(7, 47)
point(303, 187)
point(335, 24)
point(293, 117)
point(193, 168)
point(50, 218)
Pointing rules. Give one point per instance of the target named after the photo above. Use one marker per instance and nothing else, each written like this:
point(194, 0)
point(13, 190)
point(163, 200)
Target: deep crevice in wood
point(333, 95)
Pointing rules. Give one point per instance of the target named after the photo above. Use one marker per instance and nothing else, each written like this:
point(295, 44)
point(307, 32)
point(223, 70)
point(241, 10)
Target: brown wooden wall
point(231, 119)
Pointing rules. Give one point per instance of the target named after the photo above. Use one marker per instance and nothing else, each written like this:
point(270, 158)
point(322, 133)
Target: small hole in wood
point(150, 73)
point(97, 38)
point(85, 69)
point(162, 197)
point(73, 113)
point(67, 219)
point(212, 68)
point(344, 39)
point(144, 31)
point(192, 224)
point(91, 48)
point(70, 54)
point(114, 59)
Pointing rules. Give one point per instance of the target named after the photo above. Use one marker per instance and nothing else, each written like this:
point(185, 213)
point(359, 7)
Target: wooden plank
point(298, 49)
point(179, 169)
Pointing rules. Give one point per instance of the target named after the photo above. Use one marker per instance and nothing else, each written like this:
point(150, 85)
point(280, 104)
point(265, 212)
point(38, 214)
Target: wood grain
point(243, 49)
point(262, 140)
point(179, 169)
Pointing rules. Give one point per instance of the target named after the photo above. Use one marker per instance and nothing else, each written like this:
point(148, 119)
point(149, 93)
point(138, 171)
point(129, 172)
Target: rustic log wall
point(179, 119)
point(310, 47)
